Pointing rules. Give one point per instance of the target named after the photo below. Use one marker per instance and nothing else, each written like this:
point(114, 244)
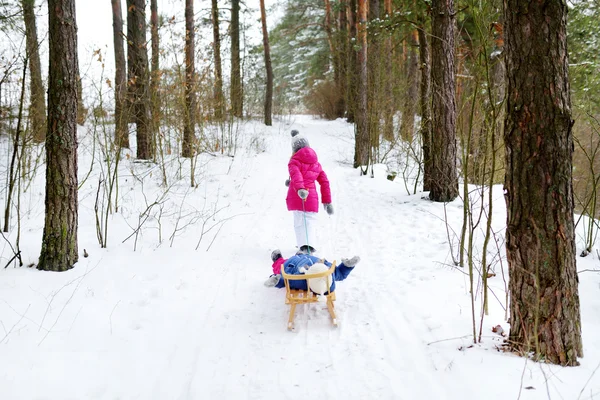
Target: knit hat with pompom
point(298, 141)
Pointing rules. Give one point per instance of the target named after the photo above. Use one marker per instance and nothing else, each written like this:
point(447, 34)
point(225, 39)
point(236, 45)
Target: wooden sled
point(296, 296)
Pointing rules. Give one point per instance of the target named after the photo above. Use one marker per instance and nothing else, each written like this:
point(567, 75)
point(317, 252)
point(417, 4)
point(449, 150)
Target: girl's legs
point(302, 231)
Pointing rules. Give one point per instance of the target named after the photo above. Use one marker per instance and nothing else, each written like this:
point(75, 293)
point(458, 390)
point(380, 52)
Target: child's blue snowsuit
point(293, 264)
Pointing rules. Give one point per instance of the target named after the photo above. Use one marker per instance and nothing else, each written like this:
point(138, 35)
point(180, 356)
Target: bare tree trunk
point(444, 179)
point(138, 79)
point(329, 31)
point(374, 60)
point(412, 85)
point(540, 239)
point(189, 132)
point(353, 70)
point(425, 102)
point(335, 51)
point(268, 66)
point(11, 169)
point(59, 240)
point(236, 94)
point(219, 98)
point(37, 109)
point(388, 107)
point(362, 142)
point(121, 130)
point(342, 54)
point(155, 75)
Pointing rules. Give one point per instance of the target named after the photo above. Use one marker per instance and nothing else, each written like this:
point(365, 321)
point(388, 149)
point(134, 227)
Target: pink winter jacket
point(304, 170)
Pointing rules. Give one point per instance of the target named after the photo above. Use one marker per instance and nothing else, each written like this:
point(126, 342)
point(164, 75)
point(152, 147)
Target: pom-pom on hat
point(298, 141)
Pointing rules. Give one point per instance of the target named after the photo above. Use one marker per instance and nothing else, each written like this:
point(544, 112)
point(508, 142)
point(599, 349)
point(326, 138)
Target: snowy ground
point(153, 318)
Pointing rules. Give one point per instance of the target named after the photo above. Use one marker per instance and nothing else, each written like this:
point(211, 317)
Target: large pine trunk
point(138, 75)
point(236, 94)
point(362, 142)
point(374, 59)
point(425, 101)
point(219, 99)
point(352, 65)
point(342, 54)
point(444, 179)
point(154, 75)
point(388, 107)
point(120, 85)
point(268, 66)
point(37, 109)
point(335, 51)
point(59, 239)
point(190, 77)
point(540, 239)
point(412, 90)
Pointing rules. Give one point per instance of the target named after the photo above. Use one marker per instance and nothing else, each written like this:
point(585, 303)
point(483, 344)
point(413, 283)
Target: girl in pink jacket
point(302, 197)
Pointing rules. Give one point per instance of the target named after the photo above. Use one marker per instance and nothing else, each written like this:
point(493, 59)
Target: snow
point(166, 321)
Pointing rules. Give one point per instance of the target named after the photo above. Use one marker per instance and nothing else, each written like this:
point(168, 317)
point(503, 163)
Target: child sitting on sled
point(300, 264)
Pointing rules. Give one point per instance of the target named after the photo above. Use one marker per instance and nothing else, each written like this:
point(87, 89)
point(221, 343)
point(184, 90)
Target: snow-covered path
point(175, 323)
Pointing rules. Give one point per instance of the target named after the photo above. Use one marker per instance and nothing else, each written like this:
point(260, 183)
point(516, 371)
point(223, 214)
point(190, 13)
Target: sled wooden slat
point(293, 297)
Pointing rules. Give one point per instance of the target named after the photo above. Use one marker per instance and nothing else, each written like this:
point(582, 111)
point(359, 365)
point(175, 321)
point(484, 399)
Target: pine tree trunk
point(412, 86)
point(388, 117)
point(236, 93)
point(155, 75)
point(444, 179)
point(219, 99)
point(374, 78)
point(268, 66)
point(189, 133)
point(120, 85)
point(342, 54)
point(336, 56)
point(37, 109)
point(540, 239)
point(425, 102)
point(138, 75)
point(59, 239)
point(362, 142)
point(352, 70)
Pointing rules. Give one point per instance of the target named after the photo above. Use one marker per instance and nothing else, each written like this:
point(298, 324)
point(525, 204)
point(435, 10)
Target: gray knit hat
point(298, 141)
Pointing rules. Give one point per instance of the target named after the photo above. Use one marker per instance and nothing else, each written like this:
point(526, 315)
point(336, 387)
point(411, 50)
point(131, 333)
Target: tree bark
point(120, 85)
point(412, 86)
point(59, 240)
point(374, 60)
point(37, 108)
point(540, 239)
point(444, 179)
point(154, 75)
point(362, 142)
point(236, 93)
point(189, 132)
point(425, 102)
point(389, 108)
point(352, 63)
point(219, 111)
point(342, 54)
point(138, 75)
point(268, 66)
